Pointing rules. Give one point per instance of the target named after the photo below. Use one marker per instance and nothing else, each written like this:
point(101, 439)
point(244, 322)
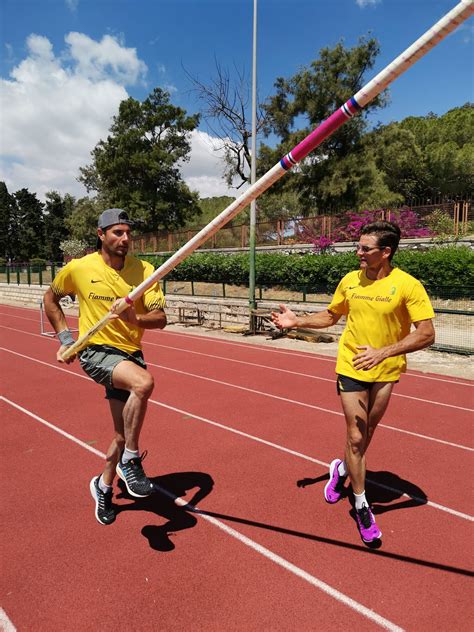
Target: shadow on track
point(179, 518)
point(174, 486)
point(382, 488)
point(338, 543)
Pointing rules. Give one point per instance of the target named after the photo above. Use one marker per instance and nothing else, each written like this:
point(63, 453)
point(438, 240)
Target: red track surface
point(266, 552)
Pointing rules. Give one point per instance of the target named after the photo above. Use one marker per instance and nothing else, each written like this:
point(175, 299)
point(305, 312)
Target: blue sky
point(65, 65)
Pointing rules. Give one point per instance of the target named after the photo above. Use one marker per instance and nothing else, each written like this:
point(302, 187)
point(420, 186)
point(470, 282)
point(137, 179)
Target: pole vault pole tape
point(433, 36)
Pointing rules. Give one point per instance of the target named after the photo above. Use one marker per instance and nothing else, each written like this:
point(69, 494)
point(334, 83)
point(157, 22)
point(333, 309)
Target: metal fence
point(454, 307)
point(282, 232)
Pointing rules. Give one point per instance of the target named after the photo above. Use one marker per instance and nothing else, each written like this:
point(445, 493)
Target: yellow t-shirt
point(97, 286)
point(378, 313)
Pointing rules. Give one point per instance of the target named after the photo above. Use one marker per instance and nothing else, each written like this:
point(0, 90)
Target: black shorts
point(99, 361)
point(351, 385)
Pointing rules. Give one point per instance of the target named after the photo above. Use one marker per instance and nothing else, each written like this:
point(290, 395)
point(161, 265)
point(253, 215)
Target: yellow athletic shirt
point(97, 286)
point(378, 313)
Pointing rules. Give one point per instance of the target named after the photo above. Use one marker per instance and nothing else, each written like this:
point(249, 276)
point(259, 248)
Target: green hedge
point(443, 270)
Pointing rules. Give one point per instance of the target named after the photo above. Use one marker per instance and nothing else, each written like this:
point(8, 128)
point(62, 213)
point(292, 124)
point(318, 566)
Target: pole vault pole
point(410, 56)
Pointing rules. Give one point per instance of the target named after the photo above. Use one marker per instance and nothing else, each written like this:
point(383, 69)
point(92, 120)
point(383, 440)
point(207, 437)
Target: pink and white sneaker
point(367, 526)
point(334, 488)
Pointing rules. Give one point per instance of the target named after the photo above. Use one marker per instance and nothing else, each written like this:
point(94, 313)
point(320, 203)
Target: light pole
point(253, 173)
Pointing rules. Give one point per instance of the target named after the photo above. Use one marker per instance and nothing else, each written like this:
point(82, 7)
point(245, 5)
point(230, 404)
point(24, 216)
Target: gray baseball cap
point(113, 216)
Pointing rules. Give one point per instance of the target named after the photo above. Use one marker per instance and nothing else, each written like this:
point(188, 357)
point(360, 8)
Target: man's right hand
point(286, 319)
point(59, 358)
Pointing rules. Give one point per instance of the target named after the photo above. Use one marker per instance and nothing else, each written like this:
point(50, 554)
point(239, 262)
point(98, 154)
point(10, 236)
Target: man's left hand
point(368, 358)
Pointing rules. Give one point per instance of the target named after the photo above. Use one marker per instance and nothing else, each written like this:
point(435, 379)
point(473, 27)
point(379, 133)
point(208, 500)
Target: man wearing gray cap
point(113, 356)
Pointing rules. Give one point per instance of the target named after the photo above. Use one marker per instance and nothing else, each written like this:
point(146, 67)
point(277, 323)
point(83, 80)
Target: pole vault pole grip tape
point(65, 338)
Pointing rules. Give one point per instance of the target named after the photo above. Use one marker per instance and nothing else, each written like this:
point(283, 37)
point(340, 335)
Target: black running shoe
point(134, 477)
point(104, 512)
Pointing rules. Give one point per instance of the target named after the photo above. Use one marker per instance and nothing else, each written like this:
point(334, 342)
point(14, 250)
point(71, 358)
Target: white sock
point(342, 469)
point(129, 454)
point(102, 486)
point(360, 501)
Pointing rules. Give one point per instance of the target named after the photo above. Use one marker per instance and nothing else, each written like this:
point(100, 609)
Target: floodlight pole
point(253, 174)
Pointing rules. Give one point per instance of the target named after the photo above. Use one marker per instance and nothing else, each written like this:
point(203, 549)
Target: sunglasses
point(368, 248)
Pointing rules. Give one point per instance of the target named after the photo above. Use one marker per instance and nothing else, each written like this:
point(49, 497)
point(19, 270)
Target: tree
point(227, 112)
point(136, 168)
point(7, 208)
point(56, 210)
point(82, 222)
point(447, 148)
point(313, 94)
point(400, 162)
point(29, 224)
point(286, 204)
point(213, 206)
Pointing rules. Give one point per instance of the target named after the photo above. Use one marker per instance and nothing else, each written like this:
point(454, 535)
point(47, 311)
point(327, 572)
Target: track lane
point(310, 429)
point(288, 526)
point(269, 597)
point(445, 423)
point(264, 487)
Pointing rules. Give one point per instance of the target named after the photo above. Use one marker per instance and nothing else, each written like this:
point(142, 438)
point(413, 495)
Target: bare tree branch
point(227, 112)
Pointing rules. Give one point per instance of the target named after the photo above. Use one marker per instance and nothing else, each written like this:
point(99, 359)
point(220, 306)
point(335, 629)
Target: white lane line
point(308, 375)
point(267, 553)
point(300, 354)
point(421, 436)
point(305, 405)
point(53, 427)
point(290, 401)
point(429, 401)
point(422, 501)
point(187, 413)
point(5, 624)
point(310, 355)
point(314, 377)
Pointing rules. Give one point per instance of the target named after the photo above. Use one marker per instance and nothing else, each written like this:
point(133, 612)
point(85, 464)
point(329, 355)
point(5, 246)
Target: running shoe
point(333, 489)
point(134, 477)
point(104, 512)
point(367, 526)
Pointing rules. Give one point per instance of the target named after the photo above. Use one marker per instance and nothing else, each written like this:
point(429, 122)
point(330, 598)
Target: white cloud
point(366, 3)
point(105, 59)
point(467, 32)
point(56, 108)
point(72, 5)
point(203, 172)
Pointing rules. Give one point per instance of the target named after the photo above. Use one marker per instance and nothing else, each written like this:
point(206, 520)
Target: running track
point(245, 432)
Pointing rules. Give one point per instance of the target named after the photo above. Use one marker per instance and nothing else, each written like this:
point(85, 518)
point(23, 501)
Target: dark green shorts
point(99, 361)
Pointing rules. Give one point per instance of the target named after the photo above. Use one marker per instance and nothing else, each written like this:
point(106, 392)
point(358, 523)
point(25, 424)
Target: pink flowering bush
point(322, 244)
point(352, 223)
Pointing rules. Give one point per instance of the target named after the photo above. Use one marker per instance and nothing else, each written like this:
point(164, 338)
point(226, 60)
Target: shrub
point(322, 245)
point(441, 269)
point(73, 248)
point(408, 221)
point(38, 264)
point(440, 223)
